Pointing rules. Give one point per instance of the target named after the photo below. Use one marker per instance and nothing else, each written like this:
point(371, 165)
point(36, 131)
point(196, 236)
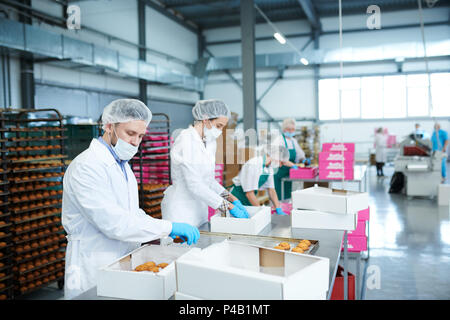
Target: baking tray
point(270, 242)
point(32, 139)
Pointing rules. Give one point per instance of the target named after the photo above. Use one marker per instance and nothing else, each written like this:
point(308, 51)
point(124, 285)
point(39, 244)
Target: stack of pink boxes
point(330, 161)
point(357, 239)
point(218, 175)
point(155, 155)
point(303, 173)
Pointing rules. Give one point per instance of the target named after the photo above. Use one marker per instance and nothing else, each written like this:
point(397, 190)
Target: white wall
point(117, 18)
point(294, 95)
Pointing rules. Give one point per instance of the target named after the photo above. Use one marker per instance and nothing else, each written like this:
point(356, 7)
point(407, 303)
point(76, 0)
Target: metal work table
point(329, 247)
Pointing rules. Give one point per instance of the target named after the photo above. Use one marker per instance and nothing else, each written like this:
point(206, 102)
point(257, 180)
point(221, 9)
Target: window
point(378, 97)
point(394, 97)
point(371, 97)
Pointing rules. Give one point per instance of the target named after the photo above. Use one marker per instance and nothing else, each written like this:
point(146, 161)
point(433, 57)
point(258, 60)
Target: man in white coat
point(100, 209)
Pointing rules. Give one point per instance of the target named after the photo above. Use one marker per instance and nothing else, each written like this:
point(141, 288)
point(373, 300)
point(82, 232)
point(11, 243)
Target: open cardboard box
point(118, 280)
point(234, 270)
point(330, 200)
point(260, 217)
point(323, 220)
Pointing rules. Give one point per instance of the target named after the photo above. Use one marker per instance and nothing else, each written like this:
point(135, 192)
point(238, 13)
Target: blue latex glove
point(239, 204)
point(186, 231)
point(294, 167)
point(280, 212)
point(238, 212)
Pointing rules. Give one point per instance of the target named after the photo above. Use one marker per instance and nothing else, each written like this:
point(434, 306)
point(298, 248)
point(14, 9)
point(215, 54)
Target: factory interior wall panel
point(180, 114)
point(165, 35)
point(45, 72)
point(50, 7)
point(73, 102)
point(14, 65)
point(172, 94)
point(227, 92)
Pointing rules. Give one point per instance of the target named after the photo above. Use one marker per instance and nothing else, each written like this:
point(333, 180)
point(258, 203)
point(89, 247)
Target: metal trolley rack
point(6, 262)
point(34, 142)
point(152, 164)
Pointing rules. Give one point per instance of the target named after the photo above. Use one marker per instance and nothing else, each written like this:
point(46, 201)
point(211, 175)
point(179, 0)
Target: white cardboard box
point(444, 194)
point(330, 200)
point(323, 220)
point(234, 270)
point(118, 280)
point(260, 217)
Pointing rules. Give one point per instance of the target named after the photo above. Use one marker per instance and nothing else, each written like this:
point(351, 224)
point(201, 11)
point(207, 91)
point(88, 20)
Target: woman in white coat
point(192, 159)
point(100, 207)
point(380, 151)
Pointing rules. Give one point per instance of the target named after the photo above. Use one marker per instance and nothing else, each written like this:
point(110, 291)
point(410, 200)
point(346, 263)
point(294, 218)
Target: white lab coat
point(380, 147)
point(193, 186)
point(291, 143)
point(101, 215)
point(248, 177)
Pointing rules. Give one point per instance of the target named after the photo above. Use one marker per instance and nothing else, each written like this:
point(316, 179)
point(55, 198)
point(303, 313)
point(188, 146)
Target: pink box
point(285, 206)
point(336, 156)
point(220, 167)
point(356, 243)
point(337, 147)
point(391, 141)
point(364, 215)
point(335, 165)
point(211, 212)
point(155, 144)
point(336, 174)
point(360, 229)
point(155, 181)
point(303, 173)
point(152, 168)
point(155, 137)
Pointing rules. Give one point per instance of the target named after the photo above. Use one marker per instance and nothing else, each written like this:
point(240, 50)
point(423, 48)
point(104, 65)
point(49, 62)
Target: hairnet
point(278, 152)
point(209, 109)
point(125, 110)
point(288, 122)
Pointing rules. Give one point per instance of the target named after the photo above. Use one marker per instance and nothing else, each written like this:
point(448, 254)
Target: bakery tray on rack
point(40, 266)
point(41, 237)
point(263, 241)
point(37, 179)
point(39, 159)
point(35, 169)
point(33, 139)
point(37, 218)
point(37, 208)
point(52, 224)
point(38, 199)
point(43, 285)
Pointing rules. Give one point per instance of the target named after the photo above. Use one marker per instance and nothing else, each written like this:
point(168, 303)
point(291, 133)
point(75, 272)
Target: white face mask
point(211, 134)
point(123, 149)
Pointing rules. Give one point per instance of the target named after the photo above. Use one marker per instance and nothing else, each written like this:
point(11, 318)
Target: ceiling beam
point(179, 4)
point(311, 14)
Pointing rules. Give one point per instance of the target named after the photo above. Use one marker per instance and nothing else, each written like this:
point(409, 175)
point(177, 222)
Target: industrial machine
point(420, 165)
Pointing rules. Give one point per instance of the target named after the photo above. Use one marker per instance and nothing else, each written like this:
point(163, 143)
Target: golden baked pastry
point(303, 246)
point(285, 245)
point(306, 241)
point(141, 267)
point(298, 250)
point(279, 248)
point(154, 269)
point(162, 265)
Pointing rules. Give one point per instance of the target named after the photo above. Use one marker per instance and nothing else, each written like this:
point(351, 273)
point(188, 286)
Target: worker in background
point(419, 133)
point(296, 154)
point(440, 143)
point(380, 151)
point(100, 206)
point(257, 174)
point(192, 159)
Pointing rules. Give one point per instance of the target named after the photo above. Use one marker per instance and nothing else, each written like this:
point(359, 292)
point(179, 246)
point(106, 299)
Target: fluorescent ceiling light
point(279, 37)
point(304, 61)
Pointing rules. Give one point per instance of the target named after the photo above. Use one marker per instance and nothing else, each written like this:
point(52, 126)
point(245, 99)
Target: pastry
point(279, 248)
point(162, 265)
point(154, 269)
point(298, 250)
point(141, 267)
point(306, 241)
point(285, 245)
point(303, 246)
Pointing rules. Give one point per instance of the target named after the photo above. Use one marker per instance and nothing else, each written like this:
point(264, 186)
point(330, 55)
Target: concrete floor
point(409, 247)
